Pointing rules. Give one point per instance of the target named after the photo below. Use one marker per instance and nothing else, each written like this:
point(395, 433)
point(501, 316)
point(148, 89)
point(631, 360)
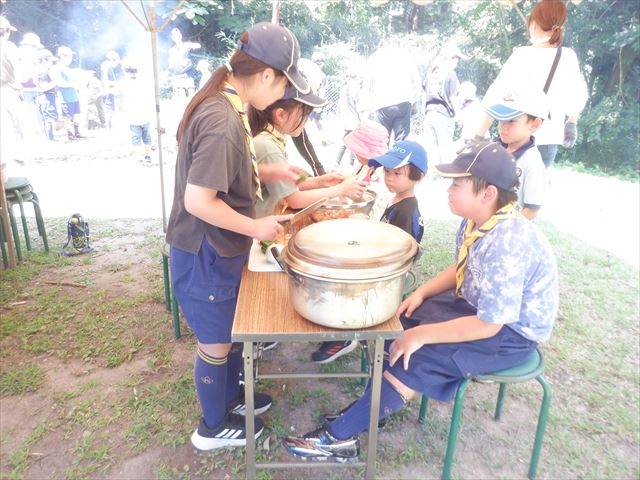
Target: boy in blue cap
point(519, 115)
point(405, 165)
point(487, 311)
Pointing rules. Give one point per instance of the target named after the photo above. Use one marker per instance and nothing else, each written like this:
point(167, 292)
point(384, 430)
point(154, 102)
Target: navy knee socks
point(356, 418)
point(234, 367)
point(210, 378)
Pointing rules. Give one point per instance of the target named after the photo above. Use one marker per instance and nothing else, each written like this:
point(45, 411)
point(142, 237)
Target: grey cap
point(276, 46)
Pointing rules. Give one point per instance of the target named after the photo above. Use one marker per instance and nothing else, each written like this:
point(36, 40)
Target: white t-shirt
point(532, 174)
point(391, 77)
point(529, 67)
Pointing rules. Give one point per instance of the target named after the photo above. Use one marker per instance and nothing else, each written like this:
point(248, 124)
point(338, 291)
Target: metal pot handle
point(413, 281)
point(418, 254)
point(275, 251)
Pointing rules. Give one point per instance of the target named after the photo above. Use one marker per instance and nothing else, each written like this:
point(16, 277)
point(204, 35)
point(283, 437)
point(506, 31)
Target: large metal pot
point(348, 273)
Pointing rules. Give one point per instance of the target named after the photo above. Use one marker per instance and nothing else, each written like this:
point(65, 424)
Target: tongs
point(305, 211)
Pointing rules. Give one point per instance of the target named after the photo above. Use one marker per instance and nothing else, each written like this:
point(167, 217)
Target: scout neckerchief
point(280, 141)
point(236, 102)
point(471, 235)
point(278, 138)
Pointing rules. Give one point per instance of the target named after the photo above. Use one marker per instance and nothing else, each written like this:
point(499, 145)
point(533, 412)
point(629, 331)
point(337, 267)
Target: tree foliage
point(604, 34)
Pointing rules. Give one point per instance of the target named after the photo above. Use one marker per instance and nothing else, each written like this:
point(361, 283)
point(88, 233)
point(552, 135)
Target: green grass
point(24, 379)
point(148, 401)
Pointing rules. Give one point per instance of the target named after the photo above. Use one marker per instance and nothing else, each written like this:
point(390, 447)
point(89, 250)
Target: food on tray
point(264, 244)
point(344, 207)
point(322, 215)
point(281, 239)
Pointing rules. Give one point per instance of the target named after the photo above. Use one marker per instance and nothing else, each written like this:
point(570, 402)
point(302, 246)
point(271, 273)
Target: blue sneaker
point(321, 445)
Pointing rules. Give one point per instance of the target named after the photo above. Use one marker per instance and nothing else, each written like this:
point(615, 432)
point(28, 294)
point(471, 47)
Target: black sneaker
point(261, 403)
point(321, 445)
point(330, 417)
point(329, 351)
point(231, 433)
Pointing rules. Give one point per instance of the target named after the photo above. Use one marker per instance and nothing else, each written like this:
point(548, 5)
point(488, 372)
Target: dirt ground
point(99, 178)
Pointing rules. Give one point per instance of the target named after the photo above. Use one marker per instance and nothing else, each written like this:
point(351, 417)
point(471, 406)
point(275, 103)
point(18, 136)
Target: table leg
point(250, 449)
point(376, 382)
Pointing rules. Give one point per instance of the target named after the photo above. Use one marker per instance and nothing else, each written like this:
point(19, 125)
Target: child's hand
point(330, 179)
point(352, 187)
point(409, 304)
point(404, 346)
point(267, 228)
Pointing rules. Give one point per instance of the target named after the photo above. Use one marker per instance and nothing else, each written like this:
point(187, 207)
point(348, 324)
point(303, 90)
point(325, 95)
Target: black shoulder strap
point(306, 150)
point(556, 60)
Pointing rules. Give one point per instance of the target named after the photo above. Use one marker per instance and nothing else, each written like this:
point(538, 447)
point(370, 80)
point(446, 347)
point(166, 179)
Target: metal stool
point(170, 302)
point(531, 368)
point(3, 248)
point(19, 191)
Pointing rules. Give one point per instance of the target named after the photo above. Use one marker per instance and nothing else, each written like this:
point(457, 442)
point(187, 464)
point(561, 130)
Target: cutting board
point(258, 261)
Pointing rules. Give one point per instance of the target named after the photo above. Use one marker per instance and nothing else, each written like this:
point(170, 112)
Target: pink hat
point(368, 140)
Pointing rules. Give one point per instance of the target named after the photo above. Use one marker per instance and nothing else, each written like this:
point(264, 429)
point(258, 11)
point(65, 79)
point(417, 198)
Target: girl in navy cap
point(270, 128)
point(212, 221)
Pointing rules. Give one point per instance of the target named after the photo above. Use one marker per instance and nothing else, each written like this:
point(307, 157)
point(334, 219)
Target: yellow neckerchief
point(278, 138)
point(471, 235)
point(236, 103)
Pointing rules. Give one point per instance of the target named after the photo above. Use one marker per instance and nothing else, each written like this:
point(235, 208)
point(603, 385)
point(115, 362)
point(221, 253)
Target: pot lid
point(350, 249)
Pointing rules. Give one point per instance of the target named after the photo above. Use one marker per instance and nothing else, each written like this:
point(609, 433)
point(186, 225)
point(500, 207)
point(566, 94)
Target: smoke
point(96, 27)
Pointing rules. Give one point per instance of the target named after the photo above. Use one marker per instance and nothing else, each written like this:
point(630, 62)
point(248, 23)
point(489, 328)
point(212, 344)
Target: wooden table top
point(265, 314)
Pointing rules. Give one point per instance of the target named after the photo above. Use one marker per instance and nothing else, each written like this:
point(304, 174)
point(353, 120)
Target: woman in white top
point(529, 67)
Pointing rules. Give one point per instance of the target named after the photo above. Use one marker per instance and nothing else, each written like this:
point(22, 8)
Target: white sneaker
point(231, 433)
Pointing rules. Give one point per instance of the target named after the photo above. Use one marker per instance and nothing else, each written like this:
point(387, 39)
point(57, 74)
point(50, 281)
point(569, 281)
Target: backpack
point(78, 237)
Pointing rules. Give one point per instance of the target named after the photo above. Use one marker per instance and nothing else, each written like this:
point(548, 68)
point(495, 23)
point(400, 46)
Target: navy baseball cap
point(276, 46)
point(402, 153)
point(489, 161)
point(310, 98)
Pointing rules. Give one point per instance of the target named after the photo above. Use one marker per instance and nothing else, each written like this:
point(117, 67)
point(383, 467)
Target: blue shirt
point(511, 277)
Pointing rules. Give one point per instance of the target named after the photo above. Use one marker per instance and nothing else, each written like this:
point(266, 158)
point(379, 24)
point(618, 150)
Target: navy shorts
point(47, 107)
point(206, 287)
point(436, 370)
point(140, 133)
